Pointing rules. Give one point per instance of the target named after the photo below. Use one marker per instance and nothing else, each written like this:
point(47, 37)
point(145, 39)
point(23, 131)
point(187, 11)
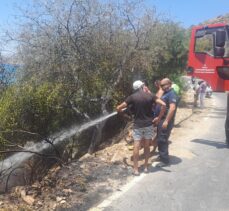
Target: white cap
point(137, 84)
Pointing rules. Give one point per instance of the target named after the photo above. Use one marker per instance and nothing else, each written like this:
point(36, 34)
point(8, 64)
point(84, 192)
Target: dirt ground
point(81, 184)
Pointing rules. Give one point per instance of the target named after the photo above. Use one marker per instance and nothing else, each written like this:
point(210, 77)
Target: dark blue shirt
point(169, 97)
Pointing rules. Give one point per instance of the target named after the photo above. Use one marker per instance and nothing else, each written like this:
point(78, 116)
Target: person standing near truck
point(196, 89)
point(203, 87)
point(142, 103)
point(167, 122)
point(176, 88)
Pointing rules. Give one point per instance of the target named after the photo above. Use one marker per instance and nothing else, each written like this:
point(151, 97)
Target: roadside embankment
point(83, 183)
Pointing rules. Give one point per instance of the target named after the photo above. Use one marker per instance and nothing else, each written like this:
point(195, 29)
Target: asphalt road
point(198, 177)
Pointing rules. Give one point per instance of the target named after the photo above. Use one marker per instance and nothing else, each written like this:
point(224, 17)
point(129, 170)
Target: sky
point(191, 12)
point(8, 10)
point(188, 13)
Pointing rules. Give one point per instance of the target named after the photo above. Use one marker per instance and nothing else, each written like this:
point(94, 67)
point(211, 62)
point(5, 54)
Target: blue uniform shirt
point(169, 97)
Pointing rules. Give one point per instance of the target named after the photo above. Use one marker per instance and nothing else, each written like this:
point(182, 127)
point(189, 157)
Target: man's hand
point(156, 120)
point(165, 124)
point(120, 107)
point(172, 108)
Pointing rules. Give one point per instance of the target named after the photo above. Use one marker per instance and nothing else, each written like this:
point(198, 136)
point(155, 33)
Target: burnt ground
point(79, 185)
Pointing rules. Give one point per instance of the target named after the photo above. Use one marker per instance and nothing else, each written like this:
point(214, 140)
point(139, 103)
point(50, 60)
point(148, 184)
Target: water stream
point(20, 157)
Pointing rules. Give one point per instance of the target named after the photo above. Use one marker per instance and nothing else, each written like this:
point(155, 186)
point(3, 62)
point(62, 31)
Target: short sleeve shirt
point(142, 104)
point(169, 97)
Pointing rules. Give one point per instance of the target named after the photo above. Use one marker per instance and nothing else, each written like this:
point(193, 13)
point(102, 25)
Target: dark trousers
point(162, 140)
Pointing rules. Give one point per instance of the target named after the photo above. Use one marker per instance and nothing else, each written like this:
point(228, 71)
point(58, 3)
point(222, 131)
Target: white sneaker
point(158, 164)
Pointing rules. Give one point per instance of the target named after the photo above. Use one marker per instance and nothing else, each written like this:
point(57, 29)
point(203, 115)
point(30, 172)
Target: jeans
point(162, 140)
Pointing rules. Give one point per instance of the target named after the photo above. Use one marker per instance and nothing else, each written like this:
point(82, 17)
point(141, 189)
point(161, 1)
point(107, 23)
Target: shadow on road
point(218, 145)
point(174, 160)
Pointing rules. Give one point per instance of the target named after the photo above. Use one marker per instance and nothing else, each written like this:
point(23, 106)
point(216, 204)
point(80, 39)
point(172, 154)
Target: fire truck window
point(204, 44)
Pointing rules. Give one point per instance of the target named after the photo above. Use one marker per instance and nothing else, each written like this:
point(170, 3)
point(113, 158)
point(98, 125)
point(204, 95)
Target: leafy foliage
point(41, 110)
point(80, 59)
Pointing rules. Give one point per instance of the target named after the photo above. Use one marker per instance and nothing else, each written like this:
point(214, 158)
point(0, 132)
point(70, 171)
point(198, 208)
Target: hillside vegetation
point(219, 19)
point(78, 59)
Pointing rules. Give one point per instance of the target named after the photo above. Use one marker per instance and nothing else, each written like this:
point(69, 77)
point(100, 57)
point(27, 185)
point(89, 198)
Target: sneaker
point(159, 164)
point(159, 159)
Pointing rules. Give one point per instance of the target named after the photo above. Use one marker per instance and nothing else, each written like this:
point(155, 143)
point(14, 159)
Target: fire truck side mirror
point(220, 38)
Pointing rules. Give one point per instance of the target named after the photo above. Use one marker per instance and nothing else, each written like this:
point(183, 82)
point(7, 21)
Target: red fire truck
point(209, 59)
point(209, 55)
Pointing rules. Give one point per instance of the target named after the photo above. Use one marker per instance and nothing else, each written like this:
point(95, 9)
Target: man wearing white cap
point(142, 103)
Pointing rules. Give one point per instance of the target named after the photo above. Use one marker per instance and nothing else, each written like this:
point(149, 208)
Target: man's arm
point(159, 93)
point(162, 111)
point(172, 108)
point(121, 106)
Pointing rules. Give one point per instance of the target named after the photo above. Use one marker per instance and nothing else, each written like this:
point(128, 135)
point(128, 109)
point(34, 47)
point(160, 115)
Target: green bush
point(41, 110)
